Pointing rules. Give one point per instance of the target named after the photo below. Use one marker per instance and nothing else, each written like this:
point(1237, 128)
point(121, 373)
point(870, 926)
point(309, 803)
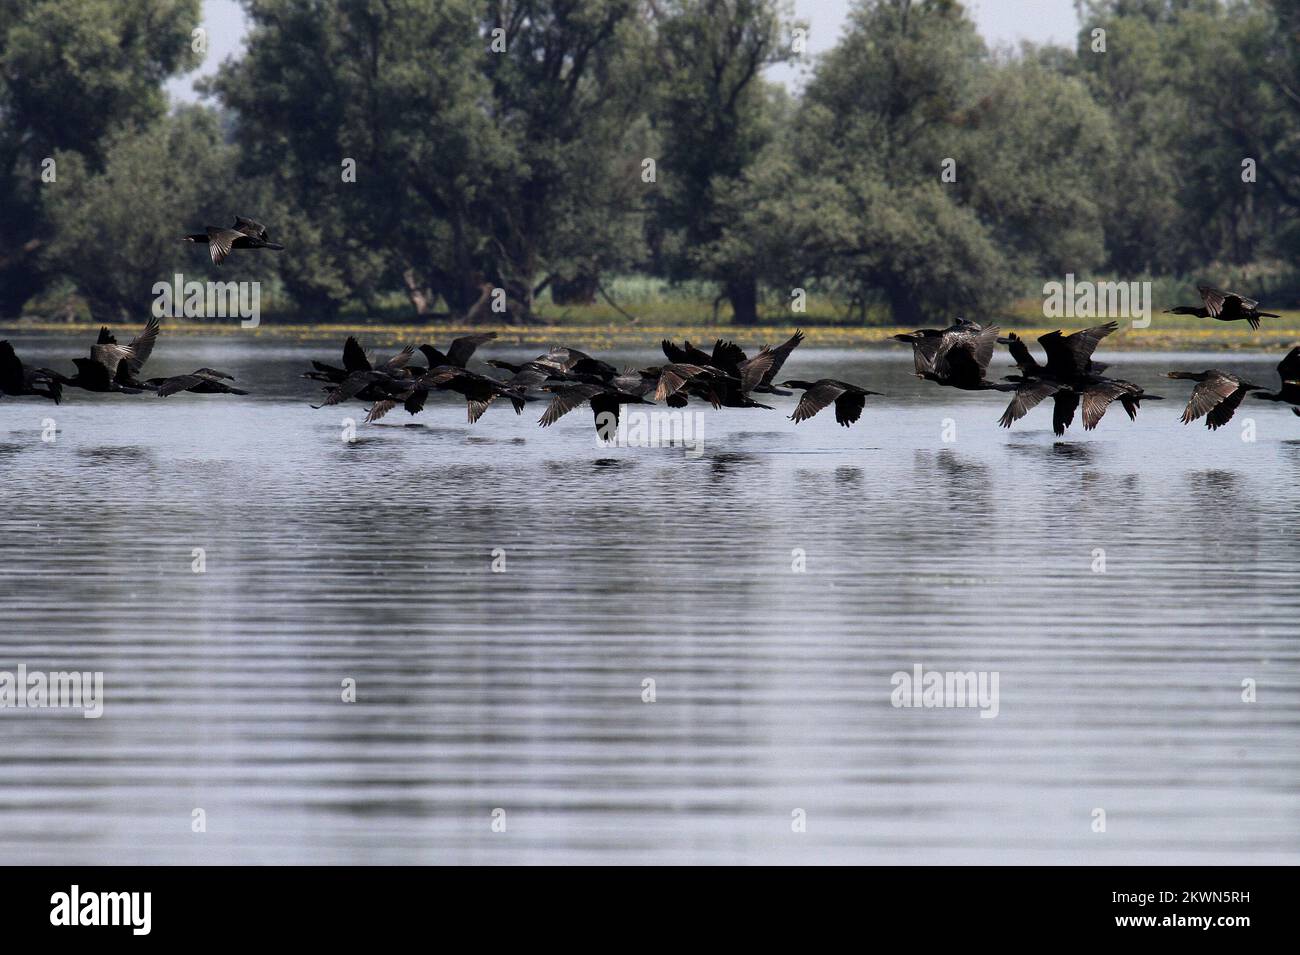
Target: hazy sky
point(1001, 22)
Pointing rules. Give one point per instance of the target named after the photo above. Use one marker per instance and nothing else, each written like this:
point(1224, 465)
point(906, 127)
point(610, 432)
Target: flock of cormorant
point(725, 377)
point(110, 367)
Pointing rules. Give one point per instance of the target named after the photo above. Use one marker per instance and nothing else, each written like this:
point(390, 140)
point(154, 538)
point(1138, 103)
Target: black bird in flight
point(1224, 306)
point(244, 234)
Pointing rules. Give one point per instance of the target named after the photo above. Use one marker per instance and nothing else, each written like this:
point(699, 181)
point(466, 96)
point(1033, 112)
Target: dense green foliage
point(72, 72)
point(543, 146)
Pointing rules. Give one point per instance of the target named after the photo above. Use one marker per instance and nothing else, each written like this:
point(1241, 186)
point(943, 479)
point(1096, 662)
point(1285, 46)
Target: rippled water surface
point(523, 690)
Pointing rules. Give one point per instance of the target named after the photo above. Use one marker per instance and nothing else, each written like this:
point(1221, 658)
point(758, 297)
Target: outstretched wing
point(1064, 404)
point(815, 399)
point(848, 407)
point(171, 386)
point(399, 360)
point(1208, 395)
point(354, 356)
point(966, 351)
point(141, 346)
point(350, 387)
point(565, 400)
point(1289, 367)
point(1097, 398)
point(672, 378)
point(379, 409)
point(925, 352)
point(93, 373)
point(108, 353)
point(1217, 301)
point(1072, 354)
point(1212, 297)
point(220, 242)
point(531, 375)
point(675, 354)
point(462, 348)
point(11, 369)
point(1026, 398)
point(753, 371)
point(250, 227)
point(727, 355)
point(780, 354)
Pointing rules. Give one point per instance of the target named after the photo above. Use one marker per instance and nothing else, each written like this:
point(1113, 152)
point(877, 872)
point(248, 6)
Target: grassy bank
point(1167, 332)
point(650, 310)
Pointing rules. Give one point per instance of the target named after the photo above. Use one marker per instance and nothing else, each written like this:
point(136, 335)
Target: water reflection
point(501, 594)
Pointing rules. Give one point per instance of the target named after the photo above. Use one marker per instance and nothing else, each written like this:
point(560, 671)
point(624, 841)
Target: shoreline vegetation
point(594, 328)
point(556, 165)
point(640, 312)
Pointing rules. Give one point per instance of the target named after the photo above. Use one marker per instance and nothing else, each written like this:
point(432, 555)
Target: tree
point(885, 110)
point(483, 135)
point(71, 73)
point(116, 232)
point(711, 110)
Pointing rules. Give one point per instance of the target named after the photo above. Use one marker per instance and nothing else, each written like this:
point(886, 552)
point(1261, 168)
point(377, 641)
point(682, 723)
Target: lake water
point(522, 690)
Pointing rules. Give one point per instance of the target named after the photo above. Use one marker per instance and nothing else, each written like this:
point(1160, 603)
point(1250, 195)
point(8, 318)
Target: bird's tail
point(274, 246)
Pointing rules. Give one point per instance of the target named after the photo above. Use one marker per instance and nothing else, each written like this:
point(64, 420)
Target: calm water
point(522, 690)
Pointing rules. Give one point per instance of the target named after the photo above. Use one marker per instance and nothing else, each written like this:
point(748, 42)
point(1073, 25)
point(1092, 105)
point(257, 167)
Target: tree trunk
point(578, 290)
point(422, 297)
point(742, 292)
point(903, 305)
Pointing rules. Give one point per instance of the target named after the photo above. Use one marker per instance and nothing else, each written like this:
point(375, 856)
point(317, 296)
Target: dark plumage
point(202, 381)
point(1070, 378)
point(604, 400)
point(1224, 306)
point(779, 355)
point(957, 356)
point(458, 353)
point(478, 390)
point(365, 386)
point(849, 400)
point(355, 360)
point(1215, 397)
point(108, 352)
point(1288, 370)
point(244, 234)
point(733, 374)
point(112, 367)
point(16, 379)
point(670, 379)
